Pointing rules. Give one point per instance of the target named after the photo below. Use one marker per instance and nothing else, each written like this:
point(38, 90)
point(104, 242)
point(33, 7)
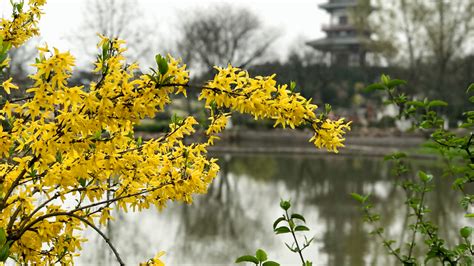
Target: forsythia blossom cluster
point(234, 89)
point(68, 154)
point(24, 23)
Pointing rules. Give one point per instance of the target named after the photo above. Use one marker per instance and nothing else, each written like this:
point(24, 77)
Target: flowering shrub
point(68, 154)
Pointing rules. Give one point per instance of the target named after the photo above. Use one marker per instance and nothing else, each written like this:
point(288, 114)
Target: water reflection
point(236, 215)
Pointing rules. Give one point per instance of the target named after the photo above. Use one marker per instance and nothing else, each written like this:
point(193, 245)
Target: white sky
point(297, 21)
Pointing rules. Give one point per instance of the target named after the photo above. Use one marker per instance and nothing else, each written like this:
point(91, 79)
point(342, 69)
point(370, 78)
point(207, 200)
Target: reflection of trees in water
point(131, 240)
point(261, 168)
point(216, 222)
point(326, 183)
point(219, 226)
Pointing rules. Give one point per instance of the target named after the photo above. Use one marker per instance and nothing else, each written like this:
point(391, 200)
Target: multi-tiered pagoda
point(344, 41)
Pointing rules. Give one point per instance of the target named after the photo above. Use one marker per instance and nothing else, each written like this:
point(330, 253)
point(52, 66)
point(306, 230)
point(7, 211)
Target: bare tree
point(124, 19)
point(432, 40)
point(223, 34)
point(421, 30)
point(449, 30)
point(396, 27)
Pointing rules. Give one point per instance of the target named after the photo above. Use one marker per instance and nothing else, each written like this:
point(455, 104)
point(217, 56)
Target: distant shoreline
point(285, 142)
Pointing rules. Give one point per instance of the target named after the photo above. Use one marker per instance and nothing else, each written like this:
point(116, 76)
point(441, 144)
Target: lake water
point(236, 216)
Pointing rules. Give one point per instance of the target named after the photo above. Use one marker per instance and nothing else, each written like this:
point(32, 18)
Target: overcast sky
point(297, 21)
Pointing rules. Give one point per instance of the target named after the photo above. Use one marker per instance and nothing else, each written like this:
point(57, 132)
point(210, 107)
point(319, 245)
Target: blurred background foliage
point(428, 43)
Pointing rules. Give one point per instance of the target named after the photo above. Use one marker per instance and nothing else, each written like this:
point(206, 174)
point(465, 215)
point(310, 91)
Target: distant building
point(344, 42)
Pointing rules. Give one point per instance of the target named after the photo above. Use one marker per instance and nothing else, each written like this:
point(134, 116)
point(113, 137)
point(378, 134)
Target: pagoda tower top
point(344, 42)
point(338, 4)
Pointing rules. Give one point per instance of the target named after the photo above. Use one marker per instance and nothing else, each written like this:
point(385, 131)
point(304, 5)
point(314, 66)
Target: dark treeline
point(342, 86)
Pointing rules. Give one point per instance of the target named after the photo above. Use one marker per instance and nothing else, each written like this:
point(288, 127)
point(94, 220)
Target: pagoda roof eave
point(329, 44)
point(332, 6)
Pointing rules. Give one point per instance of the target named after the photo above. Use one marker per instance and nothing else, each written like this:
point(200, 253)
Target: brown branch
point(15, 183)
point(107, 240)
point(71, 214)
point(39, 219)
point(191, 86)
point(122, 197)
point(13, 218)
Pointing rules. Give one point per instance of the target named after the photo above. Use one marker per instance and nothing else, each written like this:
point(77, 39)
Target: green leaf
point(158, 58)
point(425, 177)
point(308, 263)
point(385, 79)
point(308, 242)
point(285, 205)
point(301, 228)
point(374, 87)
point(7, 46)
point(277, 221)
point(3, 57)
point(261, 255)
point(4, 252)
point(461, 247)
point(33, 173)
point(437, 103)
point(105, 50)
point(154, 72)
point(139, 141)
point(292, 85)
point(97, 135)
point(59, 157)
point(396, 82)
point(19, 6)
point(358, 197)
point(469, 215)
point(425, 124)
point(270, 263)
point(470, 88)
point(327, 108)
point(466, 231)
point(82, 181)
point(176, 119)
point(3, 237)
point(291, 248)
point(247, 258)
point(282, 230)
point(162, 64)
point(416, 103)
point(298, 216)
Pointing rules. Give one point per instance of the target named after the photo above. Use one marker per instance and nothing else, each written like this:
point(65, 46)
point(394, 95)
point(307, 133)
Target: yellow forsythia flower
point(156, 261)
point(330, 134)
point(7, 85)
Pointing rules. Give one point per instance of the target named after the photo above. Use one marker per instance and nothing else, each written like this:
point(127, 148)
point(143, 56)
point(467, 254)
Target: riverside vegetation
point(455, 148)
